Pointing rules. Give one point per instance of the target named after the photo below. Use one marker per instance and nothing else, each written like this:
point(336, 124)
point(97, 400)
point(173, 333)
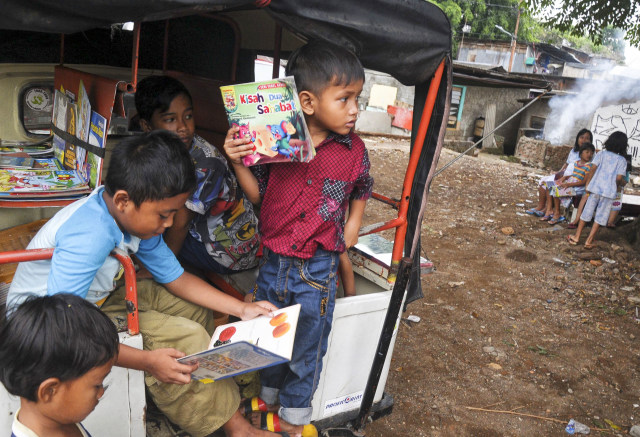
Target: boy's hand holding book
point(163, 365)
point(255, 309)
point(236, 149)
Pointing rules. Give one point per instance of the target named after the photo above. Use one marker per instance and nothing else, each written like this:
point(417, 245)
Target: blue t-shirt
point(83, 234)
point(610, 165)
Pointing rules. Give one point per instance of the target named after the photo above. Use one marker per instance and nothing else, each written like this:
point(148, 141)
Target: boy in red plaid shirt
point(302, 219)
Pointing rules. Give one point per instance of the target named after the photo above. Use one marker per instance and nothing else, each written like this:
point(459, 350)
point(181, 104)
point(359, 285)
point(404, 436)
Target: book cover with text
point(269, 113)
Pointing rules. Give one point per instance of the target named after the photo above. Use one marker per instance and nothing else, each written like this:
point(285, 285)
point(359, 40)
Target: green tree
point(590, 17)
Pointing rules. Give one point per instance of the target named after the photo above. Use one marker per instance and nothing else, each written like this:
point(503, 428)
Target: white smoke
point(582, 103)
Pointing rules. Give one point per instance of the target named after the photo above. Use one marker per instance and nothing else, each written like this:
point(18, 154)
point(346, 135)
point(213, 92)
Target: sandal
point(589, 246)
point(271, 422)
point(558, 220)
point(253, 404)
point(536, 212)
point(571, 241)
point(547, 217)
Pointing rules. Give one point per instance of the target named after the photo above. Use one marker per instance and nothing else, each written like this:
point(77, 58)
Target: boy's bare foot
point(238, 426)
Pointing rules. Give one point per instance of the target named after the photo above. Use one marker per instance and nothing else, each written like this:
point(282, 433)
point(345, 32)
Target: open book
point(245, 346)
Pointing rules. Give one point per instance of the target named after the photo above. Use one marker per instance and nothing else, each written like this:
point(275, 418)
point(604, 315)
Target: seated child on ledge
point(216, 230)
point(55, 353)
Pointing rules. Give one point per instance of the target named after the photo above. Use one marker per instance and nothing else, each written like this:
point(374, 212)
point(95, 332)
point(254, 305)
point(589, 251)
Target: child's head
point(617, 143)
point(149, 179)
point(329, 79)
point(163, 102)
point(586, 151)
point(55, 353)
point(584, 136)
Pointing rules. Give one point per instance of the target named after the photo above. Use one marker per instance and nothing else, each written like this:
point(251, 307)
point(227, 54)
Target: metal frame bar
point(400, 222)
point(131, 297)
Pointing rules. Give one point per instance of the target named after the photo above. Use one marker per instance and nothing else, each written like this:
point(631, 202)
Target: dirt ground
point(519, 333)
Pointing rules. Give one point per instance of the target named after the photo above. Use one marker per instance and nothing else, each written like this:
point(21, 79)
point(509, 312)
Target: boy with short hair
point(150, 177)
point(216, 230)
point(54, 354)
point(302, 218)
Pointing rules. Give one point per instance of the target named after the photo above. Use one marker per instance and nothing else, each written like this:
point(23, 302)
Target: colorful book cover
point(97, 136)
point(13, 182)
point(83, 122)
point(47, 164)
point(15, 162)
point(70, 158)
point(59, 120)
point(245, 346)
point(32, 151)
point(269, 113)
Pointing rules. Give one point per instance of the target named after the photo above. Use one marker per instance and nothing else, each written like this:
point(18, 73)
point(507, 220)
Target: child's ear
point(48, 389)
point(145, 125)
point(307, 101)
point(121, 199)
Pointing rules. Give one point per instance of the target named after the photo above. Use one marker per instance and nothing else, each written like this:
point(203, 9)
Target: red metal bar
point(131, 292)
point(131, 297)
point(384, 199)
point(401, 230)
point(135, 54)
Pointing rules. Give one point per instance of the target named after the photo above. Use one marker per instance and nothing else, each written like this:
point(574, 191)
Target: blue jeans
point(286, 281)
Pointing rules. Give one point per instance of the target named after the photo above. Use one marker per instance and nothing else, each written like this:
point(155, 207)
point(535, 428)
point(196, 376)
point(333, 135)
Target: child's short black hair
point(617, 143)
point(156, 93)
point(152, 166)
point(587, 146)
point(319, 64)
point(61, 336)
point(581, 132)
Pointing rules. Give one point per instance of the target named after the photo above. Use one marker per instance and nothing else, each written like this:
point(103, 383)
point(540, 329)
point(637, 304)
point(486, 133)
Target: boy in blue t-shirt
point(150, 177)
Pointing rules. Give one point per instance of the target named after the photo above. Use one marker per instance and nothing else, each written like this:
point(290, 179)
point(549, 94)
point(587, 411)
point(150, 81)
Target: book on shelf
point(40, 182)
point(97, 137)
point(47, 164)
point(245, 346)
point(269, 114)
point(83, 121)
point(16, 162)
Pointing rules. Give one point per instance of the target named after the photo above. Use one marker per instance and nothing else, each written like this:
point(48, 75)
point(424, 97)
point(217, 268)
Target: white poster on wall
point(623, 117)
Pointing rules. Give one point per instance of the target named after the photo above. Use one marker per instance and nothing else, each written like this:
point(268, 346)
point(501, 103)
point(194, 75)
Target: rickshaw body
point(408, 39)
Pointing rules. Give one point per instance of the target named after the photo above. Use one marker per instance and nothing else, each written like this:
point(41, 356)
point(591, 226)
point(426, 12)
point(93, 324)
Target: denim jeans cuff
point(269, 395)
point(296, 416)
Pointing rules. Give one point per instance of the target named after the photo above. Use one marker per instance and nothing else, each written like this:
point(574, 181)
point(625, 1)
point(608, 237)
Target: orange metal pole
point(131, 296)
point(135, 55)
point(131, 293)
point(401, 230)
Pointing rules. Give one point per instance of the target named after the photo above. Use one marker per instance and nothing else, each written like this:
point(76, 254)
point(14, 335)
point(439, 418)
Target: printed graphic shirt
point(83, 235)
point(304, 204)
point(610, 165)
point(225, 222)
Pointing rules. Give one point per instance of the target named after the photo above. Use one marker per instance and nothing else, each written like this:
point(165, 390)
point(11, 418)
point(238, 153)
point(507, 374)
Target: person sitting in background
point(609, 168)
point(544, 209)
point(216, 230)
point(562, 190)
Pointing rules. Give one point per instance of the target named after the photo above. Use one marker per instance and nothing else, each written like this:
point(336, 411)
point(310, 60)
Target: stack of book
point(56, 168)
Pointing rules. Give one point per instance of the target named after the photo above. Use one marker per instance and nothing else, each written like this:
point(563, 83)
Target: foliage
point(613, 44)
point(590, 17)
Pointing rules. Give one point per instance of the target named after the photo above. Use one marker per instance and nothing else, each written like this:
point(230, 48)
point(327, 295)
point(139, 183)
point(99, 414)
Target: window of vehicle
point(36, 105)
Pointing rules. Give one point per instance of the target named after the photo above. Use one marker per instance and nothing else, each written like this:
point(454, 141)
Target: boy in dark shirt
point(302, 219)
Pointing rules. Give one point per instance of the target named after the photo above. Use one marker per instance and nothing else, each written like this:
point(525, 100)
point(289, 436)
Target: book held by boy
point(246, 346)
point(269, 114)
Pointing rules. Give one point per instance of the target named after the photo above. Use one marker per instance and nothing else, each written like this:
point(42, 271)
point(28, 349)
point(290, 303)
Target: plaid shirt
point(304, 204)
